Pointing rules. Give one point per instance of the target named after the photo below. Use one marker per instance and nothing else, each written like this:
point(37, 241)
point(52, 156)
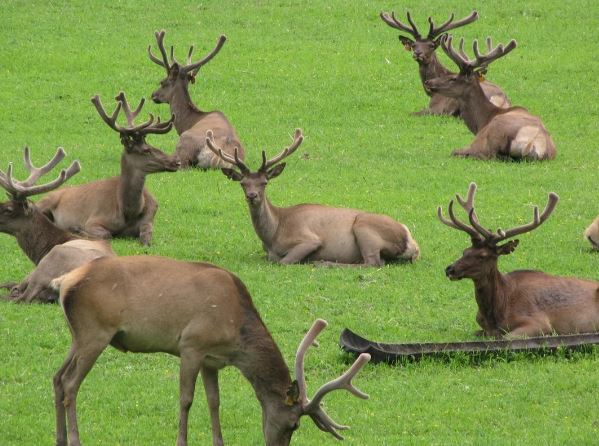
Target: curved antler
point(313, 407)
point(298, 137)
point(468, 65)
point(434, 32)
point(193, 68)
point(211, 144)
point(468, 206)
point(394, 23)
point(160, 41)
point(537, 220)
point(20, 190)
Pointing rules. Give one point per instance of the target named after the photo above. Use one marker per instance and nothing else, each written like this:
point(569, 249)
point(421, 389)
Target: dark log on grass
point(391, 353)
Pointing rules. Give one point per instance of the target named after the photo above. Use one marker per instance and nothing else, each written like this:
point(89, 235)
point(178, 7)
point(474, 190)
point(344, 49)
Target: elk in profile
point(199, 312)
point(592, 234)
point(121, 205)
point(522, 302)
point(54, 251)
point(500, 133)
point(192, 123)
point(429, 66)
point(313, 232)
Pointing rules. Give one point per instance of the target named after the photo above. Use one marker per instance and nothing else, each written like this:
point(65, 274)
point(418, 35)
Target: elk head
point(177, 76)
point(480, 259)
point(471, 70)
point(140, 154)
point(15, 212)
point(423, 48)
point(254, 183)
point(280, 423)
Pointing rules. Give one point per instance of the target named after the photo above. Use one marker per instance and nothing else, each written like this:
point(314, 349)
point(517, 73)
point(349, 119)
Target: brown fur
point(592, 234)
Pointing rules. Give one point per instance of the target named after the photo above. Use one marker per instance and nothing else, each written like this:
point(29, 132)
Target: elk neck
point(265, 218)
point(431, 70)
point(131, 186)
point(476, 110)
point(187, 114)
point(39, 236)
point(490, 293)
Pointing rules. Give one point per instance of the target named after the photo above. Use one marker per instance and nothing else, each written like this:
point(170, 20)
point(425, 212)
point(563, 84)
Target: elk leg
point(210, 380)
point(96, 230)
point(146, 224)
point(61, 421)
point(191, 362)
point(300, 252)
point(369, 240)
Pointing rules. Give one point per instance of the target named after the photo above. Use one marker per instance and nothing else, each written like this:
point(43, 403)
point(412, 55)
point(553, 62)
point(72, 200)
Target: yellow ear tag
point(407, 47)
point(481, 77)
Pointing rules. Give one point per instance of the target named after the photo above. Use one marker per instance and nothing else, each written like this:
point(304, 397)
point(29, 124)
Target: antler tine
point(297, 141)
point(160, 41)
point(450, 24)
point(537, 219)
point(309, 338)
point(20, 190)
point(482, 60)
point(128, 113)
point(460, 59)
point(36, 172)
point(225, 156)
point(460, 225)
point(158, 128)
point(189, 53)
point(195, 67)
point(394, 23)
point(111, 121)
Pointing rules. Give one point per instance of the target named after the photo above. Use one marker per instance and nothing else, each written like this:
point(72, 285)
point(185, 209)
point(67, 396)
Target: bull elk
point(592, 234)
point(192, 123)
point(313, 232)
point(121, 205)
point(500, 133)
point(54, 251)
point(429, 66)
point(199, 312)
point(523, 302)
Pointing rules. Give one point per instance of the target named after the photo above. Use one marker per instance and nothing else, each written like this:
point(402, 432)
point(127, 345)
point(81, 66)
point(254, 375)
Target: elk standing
point(118, 206)
point(196, 311)
point(523, 302)
point(192, 123)
point(313, 232)
point(500, 133)
point(54, 251)
point(429, 66)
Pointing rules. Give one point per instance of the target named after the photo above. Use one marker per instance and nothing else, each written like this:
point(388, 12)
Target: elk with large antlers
point(192, 123)
point(313, 232)
point(54, 251)
point(429, 66)
point(500, 133)
point(523, 302)
point(118, 206)
point(196, 311)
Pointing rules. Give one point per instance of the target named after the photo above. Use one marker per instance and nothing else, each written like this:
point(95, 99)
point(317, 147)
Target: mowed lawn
point(335, 70)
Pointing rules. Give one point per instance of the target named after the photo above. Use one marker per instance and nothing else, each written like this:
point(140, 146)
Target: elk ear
point(507, 248)
point(232, 174)
point(276, 171)
point(292, 394)
point(408, 43)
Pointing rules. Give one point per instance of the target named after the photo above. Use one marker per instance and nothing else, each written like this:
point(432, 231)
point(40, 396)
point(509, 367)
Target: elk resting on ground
point(118, 206)
point(429, 66)
point(192, 123)
point(196, 311)
point(523, 302)
point(54, 251)
point(500, 133)
point(592, 234)
point(313, 232)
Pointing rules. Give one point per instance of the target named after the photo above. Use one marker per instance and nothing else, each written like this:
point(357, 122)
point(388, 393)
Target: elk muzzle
point(451, 273)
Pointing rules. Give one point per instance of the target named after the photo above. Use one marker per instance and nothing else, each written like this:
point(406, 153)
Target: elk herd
point(204, 314)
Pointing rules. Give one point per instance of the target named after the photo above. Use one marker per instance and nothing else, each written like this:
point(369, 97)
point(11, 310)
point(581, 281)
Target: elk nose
point(251, 195)
point(449, 270)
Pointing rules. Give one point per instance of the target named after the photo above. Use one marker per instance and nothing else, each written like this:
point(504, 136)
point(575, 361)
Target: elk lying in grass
point(500, 133)
point(429, 66)
point(313, 232)
point(54, 251)
point(592, 234)
point(118, 206)
point(192, 123)
point(196, 311)
point(524, 302)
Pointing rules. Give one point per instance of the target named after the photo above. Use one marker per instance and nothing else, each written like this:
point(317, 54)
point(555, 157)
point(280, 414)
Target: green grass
point(338, 72)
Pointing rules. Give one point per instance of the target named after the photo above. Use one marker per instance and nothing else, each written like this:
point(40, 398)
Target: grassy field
point(334, 69)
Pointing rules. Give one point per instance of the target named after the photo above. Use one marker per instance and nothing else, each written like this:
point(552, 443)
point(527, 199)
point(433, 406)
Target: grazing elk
point(313, 232)
point(54, 251)
point(523, 302)
point(192, 123)
point(120, 205)
point(500, 133)
point(592, 234)
point(429, 66)
point(196, 311)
